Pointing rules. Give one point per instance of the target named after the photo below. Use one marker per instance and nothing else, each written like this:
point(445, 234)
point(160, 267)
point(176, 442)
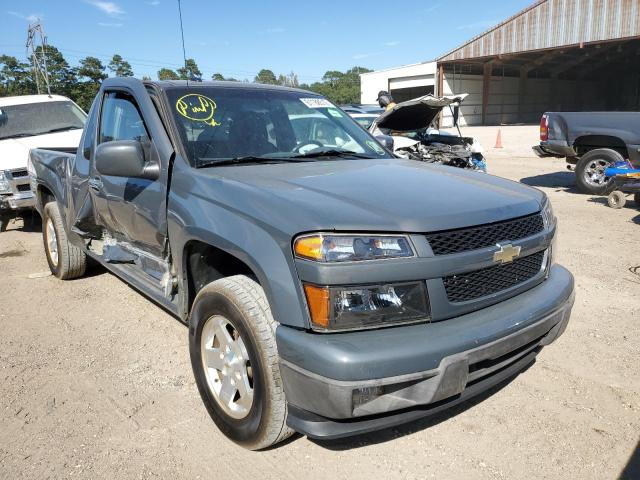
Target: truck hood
point(386, 195)
point(415, 114)
point(14, 152)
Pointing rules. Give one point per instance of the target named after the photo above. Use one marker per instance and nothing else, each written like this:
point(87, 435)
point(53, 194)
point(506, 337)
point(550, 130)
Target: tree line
point(81, 82)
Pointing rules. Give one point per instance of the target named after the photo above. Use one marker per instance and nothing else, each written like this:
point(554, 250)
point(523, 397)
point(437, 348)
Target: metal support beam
point(486, 89)
point(440, 87)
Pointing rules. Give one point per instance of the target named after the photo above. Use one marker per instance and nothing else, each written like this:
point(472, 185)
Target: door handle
point(95, 183)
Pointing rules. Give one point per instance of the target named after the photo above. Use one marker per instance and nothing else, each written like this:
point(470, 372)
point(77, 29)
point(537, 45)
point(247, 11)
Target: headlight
point(548, 217)
point(4, 183)
point(355, 307)
point(550, 223)
point(322, 247)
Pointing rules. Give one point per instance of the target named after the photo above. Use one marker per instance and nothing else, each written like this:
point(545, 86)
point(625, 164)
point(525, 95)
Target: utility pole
point(37, 38)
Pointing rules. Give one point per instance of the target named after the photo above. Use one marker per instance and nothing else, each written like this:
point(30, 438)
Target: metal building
point(555, 55)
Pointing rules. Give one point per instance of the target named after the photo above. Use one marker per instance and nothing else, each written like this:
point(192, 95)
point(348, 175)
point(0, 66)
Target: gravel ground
point(96, 380)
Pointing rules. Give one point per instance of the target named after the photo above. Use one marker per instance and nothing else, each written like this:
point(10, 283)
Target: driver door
point(130, 209)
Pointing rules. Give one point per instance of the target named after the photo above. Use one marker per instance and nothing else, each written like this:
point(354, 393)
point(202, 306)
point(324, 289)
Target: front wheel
point(590, 176)
point(235, 362)
point(66, 261)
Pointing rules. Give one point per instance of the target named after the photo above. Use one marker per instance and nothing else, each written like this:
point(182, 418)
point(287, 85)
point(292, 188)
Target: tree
point(16, 77)
point(91, 73)
point(217, 76)
point(62, 78)
point(190, 71)
point(167, 74)
point(146, 78)
point(267, 77)
point(340, 87)
point(120, 67)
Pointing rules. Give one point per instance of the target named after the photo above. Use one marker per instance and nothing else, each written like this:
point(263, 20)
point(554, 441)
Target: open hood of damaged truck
point(415, 114)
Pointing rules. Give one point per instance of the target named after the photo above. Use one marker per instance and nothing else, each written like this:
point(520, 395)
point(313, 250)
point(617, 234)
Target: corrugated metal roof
point(552, 24)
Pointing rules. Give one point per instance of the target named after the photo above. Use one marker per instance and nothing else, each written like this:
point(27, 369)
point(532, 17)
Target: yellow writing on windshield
point(198, 108)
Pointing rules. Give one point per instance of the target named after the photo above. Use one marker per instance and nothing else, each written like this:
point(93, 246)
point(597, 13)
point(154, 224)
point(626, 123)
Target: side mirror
point(124, 158)
point(456, 115)
point(386, 141)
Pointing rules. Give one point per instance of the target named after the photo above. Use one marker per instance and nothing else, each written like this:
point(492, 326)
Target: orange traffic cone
point(498, 140)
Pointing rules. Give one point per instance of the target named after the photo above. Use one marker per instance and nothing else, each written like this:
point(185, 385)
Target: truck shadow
point(29, 222)
point(632, 470)
point(560, 180)
point(386, 435)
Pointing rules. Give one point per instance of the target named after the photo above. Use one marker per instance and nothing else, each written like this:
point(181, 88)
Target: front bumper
point(346, 384)
point(17, 201)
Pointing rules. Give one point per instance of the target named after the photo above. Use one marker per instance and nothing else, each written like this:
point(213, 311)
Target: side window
point(121, 119)
point(89, 135)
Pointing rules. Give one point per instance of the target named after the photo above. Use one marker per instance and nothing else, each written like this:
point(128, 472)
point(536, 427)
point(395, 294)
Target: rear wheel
point(590, 176)
point(4, 221)
point(66, 261)
point(235, 362)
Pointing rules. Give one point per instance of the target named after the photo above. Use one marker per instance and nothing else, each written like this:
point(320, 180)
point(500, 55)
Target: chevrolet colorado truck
point(26, 122)
point(591, 142)
point(329, 288)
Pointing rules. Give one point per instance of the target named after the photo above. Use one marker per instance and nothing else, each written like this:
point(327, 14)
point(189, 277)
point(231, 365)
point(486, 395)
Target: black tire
point(636, 198)
point(242, 302)
point(71, 261)
point(590, 171)
point(616, 199)
point(4, 221)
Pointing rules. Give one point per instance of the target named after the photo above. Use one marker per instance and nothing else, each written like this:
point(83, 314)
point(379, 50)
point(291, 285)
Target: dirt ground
point(95, 380)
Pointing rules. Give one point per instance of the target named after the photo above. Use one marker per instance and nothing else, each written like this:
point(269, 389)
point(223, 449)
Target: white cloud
point(478, 25)
point(153, 3)
point(433, 7)
point(110, 8)
point(393, 43)
point(360, 56)
point(29, 18)
point(110, 25)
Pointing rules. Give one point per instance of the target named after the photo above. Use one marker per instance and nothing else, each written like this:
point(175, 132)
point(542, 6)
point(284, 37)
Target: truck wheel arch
point(204, 263)
point(586, 143)
point(44, 196)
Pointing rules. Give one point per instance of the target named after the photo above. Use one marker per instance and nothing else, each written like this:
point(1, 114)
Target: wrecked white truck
point(410, 124)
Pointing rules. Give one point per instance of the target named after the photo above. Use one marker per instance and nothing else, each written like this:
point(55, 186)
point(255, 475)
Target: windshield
point(223, 123)
point(39, 118)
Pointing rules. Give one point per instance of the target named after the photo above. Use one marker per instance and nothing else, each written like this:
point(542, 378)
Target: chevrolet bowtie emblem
point(506, 253)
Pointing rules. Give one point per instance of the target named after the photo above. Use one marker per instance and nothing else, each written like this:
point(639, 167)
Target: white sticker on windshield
point(334, 113)
point(316, 102)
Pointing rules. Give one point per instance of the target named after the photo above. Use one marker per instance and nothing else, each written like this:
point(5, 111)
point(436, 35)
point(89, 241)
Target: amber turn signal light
point(309, 247)
point(318, 300)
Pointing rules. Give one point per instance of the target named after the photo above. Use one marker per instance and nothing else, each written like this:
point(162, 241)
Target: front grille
point(490, 280)
point(461, 240)
point(24, 187)
point(19, 173)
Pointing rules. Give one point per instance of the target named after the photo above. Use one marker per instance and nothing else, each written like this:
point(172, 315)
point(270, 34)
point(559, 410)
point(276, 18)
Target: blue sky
point(238, 38)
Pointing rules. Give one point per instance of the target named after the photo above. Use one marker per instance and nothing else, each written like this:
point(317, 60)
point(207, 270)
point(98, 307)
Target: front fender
point(192, 217)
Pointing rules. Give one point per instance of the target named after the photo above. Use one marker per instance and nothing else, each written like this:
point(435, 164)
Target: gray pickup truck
point(329, 288)
point(591, 142)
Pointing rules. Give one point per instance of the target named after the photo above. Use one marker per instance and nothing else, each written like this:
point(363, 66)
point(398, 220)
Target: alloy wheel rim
point(52, 243)
point(594, 173)
point(227, 366)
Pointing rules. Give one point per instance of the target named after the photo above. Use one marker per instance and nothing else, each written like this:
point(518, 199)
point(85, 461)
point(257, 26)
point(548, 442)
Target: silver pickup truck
point(329, 288)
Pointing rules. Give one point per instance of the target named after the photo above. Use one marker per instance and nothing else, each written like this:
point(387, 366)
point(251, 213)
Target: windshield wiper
point(247, 159)
point(59, 129)
point(18, 135)
point(332, 152)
